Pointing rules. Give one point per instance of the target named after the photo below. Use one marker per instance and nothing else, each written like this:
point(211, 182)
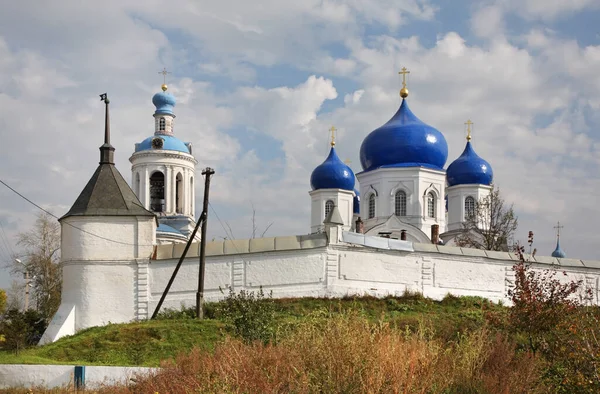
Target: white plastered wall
point(100, 275)
point(456, 202)
point(416, 182)
point(343, 199)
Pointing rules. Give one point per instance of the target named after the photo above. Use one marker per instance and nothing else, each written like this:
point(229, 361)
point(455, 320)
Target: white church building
point(121, 242)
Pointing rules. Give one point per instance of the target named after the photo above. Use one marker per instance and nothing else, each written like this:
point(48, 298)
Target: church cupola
point(404, 141)
point(558, 252)
point(332, 184)
point(469, 168)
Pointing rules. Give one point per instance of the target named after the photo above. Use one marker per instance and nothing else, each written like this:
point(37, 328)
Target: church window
point(400, 203)
point(161, 124)
point(328, 207)
point(179, 193)
point(371, 206)
point(157, 192)
point(469, 207)
point(431, 205)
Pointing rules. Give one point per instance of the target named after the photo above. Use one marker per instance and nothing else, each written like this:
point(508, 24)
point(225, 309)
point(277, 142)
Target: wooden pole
point(207, 172)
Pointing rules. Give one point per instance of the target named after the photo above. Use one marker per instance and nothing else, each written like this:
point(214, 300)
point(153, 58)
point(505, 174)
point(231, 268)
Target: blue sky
point(259, 84)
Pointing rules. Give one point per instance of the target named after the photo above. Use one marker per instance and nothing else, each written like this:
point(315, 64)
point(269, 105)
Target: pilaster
point(142, 290)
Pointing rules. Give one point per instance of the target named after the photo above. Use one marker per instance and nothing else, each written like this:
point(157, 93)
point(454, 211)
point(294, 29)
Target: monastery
point(388, 229)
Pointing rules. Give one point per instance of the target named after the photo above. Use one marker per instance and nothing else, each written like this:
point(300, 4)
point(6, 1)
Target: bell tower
point(163, 173)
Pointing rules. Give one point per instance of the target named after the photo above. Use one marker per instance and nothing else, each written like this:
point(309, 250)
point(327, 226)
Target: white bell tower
point(163, 173)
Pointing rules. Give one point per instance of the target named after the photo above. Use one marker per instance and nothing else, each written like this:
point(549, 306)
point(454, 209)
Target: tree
point(2, 301)
point(21, 329)
point(490, 225)
point(42, 247)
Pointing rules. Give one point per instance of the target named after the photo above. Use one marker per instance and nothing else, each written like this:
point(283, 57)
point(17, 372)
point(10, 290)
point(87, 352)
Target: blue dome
point(404, 141)
point(558, 252)
point(164, 103)
point(356, 202)
point(469, 169)
point(332, 174)
point(169, 143)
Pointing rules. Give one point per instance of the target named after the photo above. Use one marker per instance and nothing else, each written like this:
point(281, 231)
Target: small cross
point(403, 73)
point(164, 73)
point(332, 130)
point(347, 161)
point(558, 227)
point(469, 124)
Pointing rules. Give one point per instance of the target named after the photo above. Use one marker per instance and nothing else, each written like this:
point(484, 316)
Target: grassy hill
point(147, 343)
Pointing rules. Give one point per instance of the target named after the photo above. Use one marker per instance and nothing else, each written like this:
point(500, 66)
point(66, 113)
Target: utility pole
point(207, 172)
point(26, 290)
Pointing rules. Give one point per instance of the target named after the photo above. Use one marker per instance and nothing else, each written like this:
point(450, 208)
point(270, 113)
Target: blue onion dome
point(164, 102)
point(163, 142)
point(356, 202)
point(469, 169)
point(558, 252)
point(332, 174)
point(404, 141)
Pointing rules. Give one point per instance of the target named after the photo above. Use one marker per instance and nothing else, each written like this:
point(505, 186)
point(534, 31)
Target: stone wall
point(358, 264)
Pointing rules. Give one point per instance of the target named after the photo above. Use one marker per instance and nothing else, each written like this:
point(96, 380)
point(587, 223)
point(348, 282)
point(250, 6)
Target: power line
point(69, 224)
point(5, 240)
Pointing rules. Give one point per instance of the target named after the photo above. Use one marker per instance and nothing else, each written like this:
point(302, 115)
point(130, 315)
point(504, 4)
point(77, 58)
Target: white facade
point(460, 200)
point(418, 186)
point(322, 200)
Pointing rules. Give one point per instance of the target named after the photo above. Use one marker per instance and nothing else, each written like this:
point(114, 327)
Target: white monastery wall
point(362, 265)
point(98, 292)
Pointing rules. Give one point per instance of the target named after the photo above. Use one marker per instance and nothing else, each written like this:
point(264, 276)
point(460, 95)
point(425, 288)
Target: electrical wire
point(69, 224)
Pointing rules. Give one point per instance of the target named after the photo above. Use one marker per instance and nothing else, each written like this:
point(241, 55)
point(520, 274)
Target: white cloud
point(530, 98)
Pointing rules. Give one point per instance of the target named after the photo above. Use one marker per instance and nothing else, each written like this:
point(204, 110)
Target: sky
point(260, 83)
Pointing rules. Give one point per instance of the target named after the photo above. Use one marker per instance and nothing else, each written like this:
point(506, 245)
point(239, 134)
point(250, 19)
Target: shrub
point(21, 329)
point(346, 353)
point(249, 315)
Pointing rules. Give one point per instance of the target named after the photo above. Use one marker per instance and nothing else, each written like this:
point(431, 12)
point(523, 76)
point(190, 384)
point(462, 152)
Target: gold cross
point(164, 72)
point(347, 161)
point(469, 124)
point(333, 130)
point(558, 227)
point(403, 73)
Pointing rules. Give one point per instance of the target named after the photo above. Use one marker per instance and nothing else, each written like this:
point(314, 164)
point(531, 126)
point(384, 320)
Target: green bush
point(21, 329)
point(249, 315)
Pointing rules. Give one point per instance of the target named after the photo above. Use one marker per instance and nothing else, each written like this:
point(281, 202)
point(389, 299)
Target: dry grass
point(348, 354)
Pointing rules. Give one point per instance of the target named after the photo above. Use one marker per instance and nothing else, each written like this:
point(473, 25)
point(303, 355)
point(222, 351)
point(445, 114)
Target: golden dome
point(404, 92)
point(164, 87)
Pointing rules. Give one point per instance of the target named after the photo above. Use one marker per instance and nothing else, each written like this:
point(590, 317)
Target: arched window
point(161, 124)
point(431, 205)
point(469, 207)
point(157, 192)
point(179, 193)
point(372, 206)
point(328, 207)
point(400, 203)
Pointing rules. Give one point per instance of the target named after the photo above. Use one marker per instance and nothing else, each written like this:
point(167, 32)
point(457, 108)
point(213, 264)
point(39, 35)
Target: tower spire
point(332, 130)
point(107, 151)
point(164, 73)
point(404, 90)
point(469, 124)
